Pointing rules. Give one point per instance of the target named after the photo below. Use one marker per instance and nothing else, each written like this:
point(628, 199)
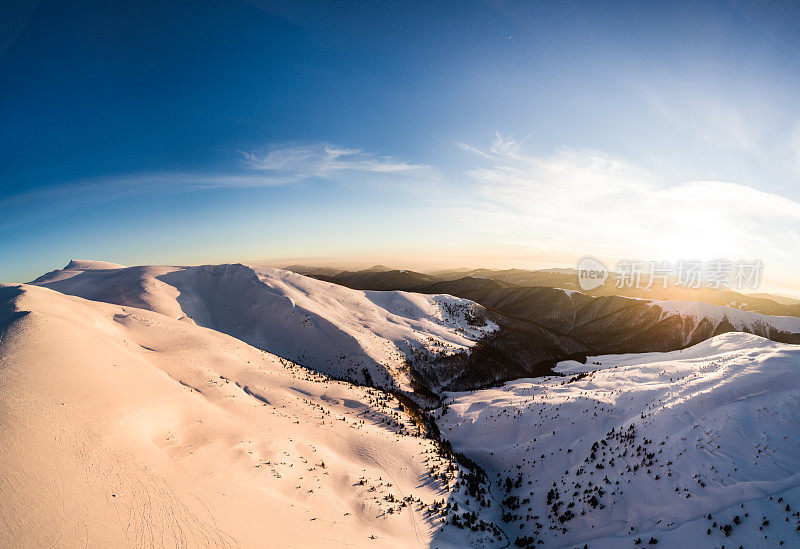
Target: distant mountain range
point(542, 321)
point(385, 278)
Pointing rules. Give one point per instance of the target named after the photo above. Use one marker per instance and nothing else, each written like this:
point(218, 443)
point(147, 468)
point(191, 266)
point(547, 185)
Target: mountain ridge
point(536, 326)
point(350, 334)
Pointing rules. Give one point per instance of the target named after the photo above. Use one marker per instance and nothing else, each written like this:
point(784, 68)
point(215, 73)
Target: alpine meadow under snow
point(234, 405)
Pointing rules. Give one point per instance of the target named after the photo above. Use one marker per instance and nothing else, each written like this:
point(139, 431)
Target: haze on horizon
point(497, 134)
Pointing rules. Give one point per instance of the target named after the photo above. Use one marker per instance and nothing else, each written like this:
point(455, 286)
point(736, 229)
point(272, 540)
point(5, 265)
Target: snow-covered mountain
point(376, 336)
point(699, 447)
point(147, 406)
point(700, 320)
point(615, 324)
point(122, 427)
point(541, 325)
point(450, 281)
point(347, 333)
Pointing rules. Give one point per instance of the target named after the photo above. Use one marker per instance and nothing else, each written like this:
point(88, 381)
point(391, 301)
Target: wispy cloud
point(324, 160)
point(588, 202)
point(277, 165)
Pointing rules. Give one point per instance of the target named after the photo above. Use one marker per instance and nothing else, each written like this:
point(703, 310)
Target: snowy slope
point(699, 313)
point(321, 325)
point(729, 343)
point(121, 427)
point(646, 446)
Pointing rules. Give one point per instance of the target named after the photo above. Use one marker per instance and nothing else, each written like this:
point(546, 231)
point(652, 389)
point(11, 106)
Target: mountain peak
point(90, 265)
point(379, 268)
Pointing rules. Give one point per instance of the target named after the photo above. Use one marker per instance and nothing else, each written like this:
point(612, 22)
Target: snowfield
point(207, 406)
point(123, 427)
point(699, 447)
point(323, 326)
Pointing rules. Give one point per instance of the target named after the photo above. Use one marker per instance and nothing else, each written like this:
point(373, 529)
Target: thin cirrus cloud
point(588, 202)
point(41, 204)
point(278, 165)
point(297, 162)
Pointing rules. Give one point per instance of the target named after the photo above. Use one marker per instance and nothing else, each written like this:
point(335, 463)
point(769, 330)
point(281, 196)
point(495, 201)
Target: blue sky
point(484, 133)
